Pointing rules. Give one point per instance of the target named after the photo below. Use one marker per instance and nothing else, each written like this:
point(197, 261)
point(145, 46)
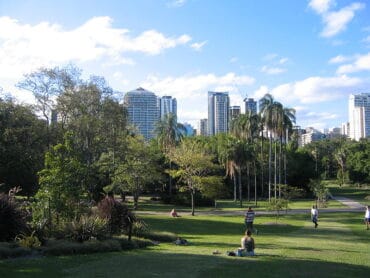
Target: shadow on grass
point(150, 263)
point(213, 226)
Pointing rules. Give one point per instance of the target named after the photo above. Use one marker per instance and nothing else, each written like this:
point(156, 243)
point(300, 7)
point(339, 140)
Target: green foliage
point(84, 229)
point(139, 227)
point(136, 170)
point(276, 205)
point(23, 144)
point(320, 190)
point(64, 247)
point(30, 241)
point(12, 250)
point(62, 184)
point(158, 236)
point(12, 219)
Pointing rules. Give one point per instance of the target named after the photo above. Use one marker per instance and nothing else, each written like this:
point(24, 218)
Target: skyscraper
point(203, 127)
point(359, 116)
point(143, 111)
point(218, 112)
point(234, 112)
point(167, 105)
point(250, 105)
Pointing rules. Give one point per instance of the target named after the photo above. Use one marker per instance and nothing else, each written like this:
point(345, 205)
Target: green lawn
point(290, 248)
point(360, 194)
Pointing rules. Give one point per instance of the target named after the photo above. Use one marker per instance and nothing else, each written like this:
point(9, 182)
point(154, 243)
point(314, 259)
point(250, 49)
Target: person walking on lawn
point(249, 218)
point(314, 215)
point(367, 217)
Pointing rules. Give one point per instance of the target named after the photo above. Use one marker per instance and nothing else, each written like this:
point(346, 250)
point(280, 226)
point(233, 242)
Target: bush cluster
point(12, 219)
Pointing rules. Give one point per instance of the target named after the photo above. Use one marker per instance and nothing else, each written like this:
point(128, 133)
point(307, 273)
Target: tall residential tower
point(359, 116)
point(143, 111)
point(218, 112)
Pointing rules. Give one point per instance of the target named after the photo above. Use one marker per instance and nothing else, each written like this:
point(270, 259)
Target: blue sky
point(310, 55)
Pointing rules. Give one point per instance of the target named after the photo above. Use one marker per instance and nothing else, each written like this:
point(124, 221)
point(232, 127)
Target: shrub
point(65, 247)
point(117, 214)
point(159, 236)
point(30, 241)
point(83, 229)
point(11, 250)
point(12, 219)
point(139, 227)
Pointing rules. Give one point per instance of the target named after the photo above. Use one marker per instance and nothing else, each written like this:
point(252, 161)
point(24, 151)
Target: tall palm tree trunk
point(255, 183)
point(275, 169)
point(270, 158)
point(240, 187)
point(235, 186)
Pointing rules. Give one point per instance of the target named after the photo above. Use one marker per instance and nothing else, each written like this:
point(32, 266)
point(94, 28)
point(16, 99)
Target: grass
point(360, 194)
point(290, 248)
point(287, 247)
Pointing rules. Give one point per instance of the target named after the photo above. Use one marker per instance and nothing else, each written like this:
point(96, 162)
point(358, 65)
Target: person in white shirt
point(367, 217)
point(314, 215)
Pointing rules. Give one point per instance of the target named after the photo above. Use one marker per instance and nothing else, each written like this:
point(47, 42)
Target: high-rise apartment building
point(143, 111)
point(234, 112)
point(359, 116)
point(250, 105)
point(203, 127)
point(167, 105)
point(218, 112)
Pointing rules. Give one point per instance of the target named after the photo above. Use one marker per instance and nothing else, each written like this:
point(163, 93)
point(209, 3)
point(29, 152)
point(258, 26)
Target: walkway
point(352, 206)
point(349, 203)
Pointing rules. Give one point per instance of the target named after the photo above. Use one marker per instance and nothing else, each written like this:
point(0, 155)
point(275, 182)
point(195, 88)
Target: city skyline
point(310, 55)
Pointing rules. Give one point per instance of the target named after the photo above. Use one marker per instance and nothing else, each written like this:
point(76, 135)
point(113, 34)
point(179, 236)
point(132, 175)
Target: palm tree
point(265, 105)
point(277, 121)
point(169, 133)
point(245, 127)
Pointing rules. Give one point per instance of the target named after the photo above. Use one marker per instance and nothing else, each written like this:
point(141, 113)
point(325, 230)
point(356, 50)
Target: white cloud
point(313, 89)
point(234, 60)
point(283, 61)
point(192, 86)
point(272, 70)
point(192, 90)
point(269, 57)
point(25, 47)
point(366, 40)
point(320, 6)
point(197, 46)
point(176, 3)
point(334, 21)
point(339, 59)
point(361, 63)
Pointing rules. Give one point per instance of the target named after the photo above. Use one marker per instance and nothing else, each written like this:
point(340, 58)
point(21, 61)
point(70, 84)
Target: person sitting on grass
point(247, 245)
point(181, 241)
point(173, 213)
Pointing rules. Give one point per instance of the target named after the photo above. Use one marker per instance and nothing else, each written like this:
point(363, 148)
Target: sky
point(309, 55)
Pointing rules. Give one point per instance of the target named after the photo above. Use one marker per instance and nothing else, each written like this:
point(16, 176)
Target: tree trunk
point(136, 201)
point(240, 188)
point(235, 185)
point(255, 183)
point(275, 170)
point(270, 154)
point(192, 202)
point(170, 183)
point(248, 183)
point(262, 164)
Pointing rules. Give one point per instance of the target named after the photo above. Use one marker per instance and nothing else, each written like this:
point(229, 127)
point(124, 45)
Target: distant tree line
point(91, 149)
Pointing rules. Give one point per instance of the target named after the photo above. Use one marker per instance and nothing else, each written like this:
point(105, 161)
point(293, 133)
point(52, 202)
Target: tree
point(320, 191)
point(62, 184)
point(136, 170)
point(22, 146)
point(193, 164)
point(213, 187)
point(169, 133)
